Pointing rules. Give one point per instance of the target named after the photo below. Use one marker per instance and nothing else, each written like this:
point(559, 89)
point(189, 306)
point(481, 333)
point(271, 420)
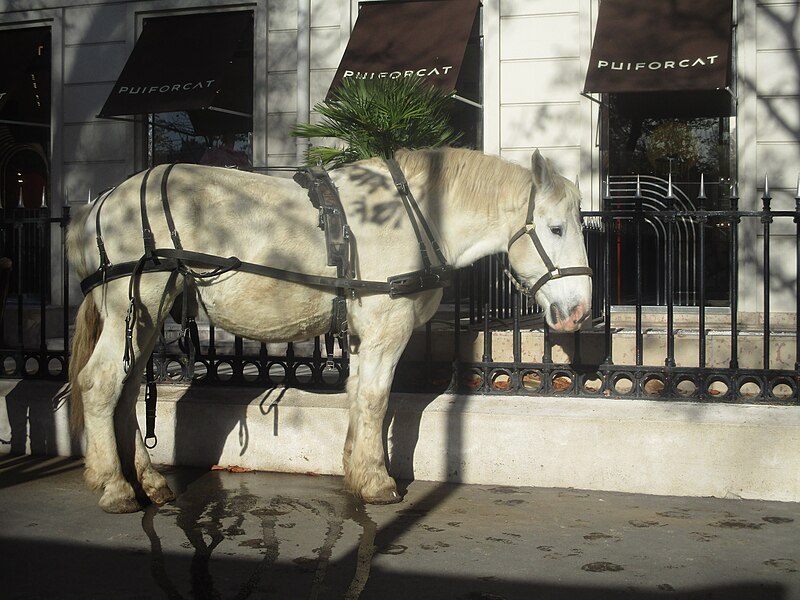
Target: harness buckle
point(127, 358)
point(530, 227)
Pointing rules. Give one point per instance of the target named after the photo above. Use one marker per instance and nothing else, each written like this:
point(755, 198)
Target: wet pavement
point(267, 535)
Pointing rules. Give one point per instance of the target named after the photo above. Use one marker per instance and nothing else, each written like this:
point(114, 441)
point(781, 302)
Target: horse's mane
point(492, 184)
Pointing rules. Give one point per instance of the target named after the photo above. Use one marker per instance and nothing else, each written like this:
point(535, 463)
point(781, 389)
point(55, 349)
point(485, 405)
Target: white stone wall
point(768, 131)
point(98, 153)
point(541, 71)
point(329, 29)
point(535, 57)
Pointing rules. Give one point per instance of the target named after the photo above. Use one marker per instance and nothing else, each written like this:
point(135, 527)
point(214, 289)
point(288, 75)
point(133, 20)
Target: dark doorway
point(652, 138)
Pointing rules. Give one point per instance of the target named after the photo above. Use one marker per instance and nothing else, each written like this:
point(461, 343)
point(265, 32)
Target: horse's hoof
point(119, 505)
point(389, 497)
point(162, 496)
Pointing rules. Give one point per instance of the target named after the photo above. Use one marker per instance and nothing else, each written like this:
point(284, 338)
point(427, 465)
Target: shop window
point(655, 137)
point(211, 136)
point(25, 160)
point(190, 78)
point(467, 113)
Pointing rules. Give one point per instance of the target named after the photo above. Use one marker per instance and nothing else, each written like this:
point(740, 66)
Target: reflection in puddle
point(239, 546)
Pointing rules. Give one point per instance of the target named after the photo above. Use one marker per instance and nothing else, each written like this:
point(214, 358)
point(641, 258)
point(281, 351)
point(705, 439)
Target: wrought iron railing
point(594, 369)
point(489, 339)
point(35, 309)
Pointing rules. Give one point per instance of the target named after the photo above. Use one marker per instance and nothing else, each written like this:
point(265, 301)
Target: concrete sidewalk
point(266, 535)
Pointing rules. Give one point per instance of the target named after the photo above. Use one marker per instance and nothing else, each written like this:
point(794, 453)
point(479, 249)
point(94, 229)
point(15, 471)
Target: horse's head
point(547, 253)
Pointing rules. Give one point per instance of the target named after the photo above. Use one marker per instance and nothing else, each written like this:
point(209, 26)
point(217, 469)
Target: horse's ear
point(541, 169)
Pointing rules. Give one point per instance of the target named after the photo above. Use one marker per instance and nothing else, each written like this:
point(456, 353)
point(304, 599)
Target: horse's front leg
point(364, 461)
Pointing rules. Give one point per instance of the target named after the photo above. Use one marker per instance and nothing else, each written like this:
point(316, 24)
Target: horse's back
point(218, 211)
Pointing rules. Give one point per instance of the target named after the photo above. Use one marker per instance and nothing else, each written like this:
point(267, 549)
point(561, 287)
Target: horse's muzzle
point(570, 322)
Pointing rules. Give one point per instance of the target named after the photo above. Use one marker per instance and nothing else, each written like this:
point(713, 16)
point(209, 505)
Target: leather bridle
point(553, 272)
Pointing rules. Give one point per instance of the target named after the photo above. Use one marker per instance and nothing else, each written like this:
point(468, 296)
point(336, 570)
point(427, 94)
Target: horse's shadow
point(204, 445)
point(239, 529)
point(401, 433)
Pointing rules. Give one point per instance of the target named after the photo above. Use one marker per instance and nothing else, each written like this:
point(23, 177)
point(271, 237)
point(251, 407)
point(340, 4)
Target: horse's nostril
point(582, 319)
point(555, 314)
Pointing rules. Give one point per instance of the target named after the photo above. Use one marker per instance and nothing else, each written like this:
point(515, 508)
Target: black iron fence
point(684, 338)
point(666, 317)
point(35, 308)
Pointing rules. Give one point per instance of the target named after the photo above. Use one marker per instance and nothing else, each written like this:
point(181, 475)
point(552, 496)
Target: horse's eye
point(556, 230)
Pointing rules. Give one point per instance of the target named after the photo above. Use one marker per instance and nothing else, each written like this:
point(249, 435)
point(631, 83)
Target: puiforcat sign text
point(166, 88)
point(424, 72)
point(686, 63)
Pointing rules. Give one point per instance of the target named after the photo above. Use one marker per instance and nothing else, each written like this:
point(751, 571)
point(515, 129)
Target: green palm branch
point(376, 118)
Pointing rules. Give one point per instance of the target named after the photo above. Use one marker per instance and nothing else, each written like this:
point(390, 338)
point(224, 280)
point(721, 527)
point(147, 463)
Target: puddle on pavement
point(777, 520)
point(737, 524)
point(224, 525)
point(602, 567)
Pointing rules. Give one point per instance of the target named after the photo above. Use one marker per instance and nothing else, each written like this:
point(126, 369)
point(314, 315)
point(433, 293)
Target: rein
point(553, 272)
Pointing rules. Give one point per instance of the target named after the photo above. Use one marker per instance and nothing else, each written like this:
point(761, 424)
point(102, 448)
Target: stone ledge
point(666, 448)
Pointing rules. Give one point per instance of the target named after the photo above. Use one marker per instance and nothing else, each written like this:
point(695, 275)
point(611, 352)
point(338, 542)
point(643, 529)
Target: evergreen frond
point(377, 118)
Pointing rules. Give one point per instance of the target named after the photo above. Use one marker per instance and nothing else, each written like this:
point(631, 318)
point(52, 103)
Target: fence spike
point(44, 198)
point(797, 193)
point(702, 193)
point(607, 193)
point(669, 185)
point(89, 199)
point(21, 201)
point(766, 186)
point(638, 186)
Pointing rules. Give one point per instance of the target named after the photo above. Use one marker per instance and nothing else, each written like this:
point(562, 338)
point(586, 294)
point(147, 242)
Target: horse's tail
point(76, 239)
point(88, 326)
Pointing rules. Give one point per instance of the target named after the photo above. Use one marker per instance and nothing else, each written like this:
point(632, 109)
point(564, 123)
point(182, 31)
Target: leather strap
point(173, 232)
point(415, 215)
point(553, 272)
point(147, 233)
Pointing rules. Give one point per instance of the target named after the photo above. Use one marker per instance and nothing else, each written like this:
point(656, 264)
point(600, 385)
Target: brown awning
point(661, 45)
point(182, 63)
point(409, 39)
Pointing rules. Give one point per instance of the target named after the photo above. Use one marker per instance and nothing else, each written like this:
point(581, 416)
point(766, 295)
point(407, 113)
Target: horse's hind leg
point(130, 442)
point(116, 459)
point(129, 435)
point(102, 383)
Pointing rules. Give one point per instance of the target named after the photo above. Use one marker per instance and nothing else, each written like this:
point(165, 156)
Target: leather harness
point(340, 249)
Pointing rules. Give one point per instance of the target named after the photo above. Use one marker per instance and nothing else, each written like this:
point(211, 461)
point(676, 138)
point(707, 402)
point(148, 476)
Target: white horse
point(476, 205)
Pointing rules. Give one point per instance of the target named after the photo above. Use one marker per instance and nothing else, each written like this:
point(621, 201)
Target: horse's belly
point(267, 310)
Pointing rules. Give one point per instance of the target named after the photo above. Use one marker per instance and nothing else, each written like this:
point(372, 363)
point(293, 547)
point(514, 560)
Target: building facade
point(525, 88)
